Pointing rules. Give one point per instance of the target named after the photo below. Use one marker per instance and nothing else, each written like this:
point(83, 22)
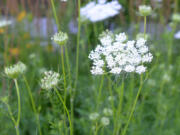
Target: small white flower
point(97, 70)
point(105, 121)
point(60, 38)
point(116, 70)
point(15, 70)
point(121, 37)
point(50, 80)
point(140, 69)
point(129, 68)
point(93, 116)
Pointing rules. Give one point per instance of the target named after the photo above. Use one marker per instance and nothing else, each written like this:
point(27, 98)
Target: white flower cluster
point(15, 70)
point(117, 54)
point(100, 11)
point(60, 38)
point(4, 23)
point(50, 80)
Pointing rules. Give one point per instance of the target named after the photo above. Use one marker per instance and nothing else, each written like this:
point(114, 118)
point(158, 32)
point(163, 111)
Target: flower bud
point(145, 10)
point(60, 38)
point(15, 70)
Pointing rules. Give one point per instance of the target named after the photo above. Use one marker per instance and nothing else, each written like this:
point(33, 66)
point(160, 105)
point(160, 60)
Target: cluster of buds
point(15, 70)
point(145, 10)
point(60, 38)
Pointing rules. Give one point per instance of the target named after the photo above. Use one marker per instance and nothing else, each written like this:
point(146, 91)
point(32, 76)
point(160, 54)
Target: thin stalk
point(62, 58)
point(100, 91)
point(33, 104)
point(54, 12)
point(121, 94)
point(59, 96)
point(10, 113)
point(77, 47)
point(144, 26)
point(19, 107)
point(134, 106)
point(70, 82)
point(64, 74)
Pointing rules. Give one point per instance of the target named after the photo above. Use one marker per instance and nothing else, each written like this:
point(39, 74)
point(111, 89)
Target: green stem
point(144, 26)
point(59, 95)
point(19, 107)
point(77, 47)
point(10, 113)
point(33, 104)
point(121, 93)
point(54, 12)
point(100, 91)
point(64, 74)
point(133, 107)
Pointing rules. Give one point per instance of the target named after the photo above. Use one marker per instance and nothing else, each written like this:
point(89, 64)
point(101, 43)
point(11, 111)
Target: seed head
point(50, 80)
point(145, 10)
point(15, 70)
point(60, 38)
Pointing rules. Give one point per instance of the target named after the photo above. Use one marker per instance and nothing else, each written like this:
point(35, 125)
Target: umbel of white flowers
point(145, 10)
point(116, 54)
point(60, 38)
point(50, 80)
point(15, 70)
point(100, 11)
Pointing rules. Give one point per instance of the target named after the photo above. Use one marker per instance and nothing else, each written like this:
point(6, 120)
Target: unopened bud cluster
point(15, 70)
point(145, 10)
point(60, 38)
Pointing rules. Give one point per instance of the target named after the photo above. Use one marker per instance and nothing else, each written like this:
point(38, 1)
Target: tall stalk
point(63, 65)
point(19, 107)
point(121, 95)
point(133, 107)
point(144, 26)
point(33, 105)
point(77, 47)
point(64, 105)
